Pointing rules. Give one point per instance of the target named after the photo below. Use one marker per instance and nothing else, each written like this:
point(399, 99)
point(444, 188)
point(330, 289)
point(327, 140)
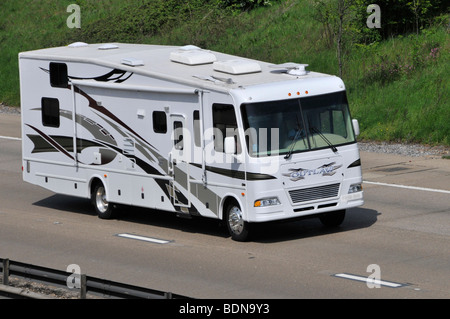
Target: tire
point(236, 225)
point(332, 219)
point(103, 208)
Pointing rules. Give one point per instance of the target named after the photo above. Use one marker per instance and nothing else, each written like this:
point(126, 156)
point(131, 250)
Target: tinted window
point(50, 112)
point(225, 125)
point(297, 125)
point(58, 75)
point(178, 135)
point(197, 128)
point(159, 122)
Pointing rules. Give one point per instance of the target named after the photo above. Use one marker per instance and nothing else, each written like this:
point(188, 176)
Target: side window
point(50, 112)
point(178, 135)
point(58, 75)
point(159, 122)
point(224, 123)
point(197, 128)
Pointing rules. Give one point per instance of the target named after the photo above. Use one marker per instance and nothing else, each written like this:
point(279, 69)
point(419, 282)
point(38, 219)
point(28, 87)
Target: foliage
point(406, 16)
point(140, 19)
point(390, 69)
point(242, 5)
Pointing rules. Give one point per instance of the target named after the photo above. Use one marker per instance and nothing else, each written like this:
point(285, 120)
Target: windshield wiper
point(294, 140)
point(315, 130)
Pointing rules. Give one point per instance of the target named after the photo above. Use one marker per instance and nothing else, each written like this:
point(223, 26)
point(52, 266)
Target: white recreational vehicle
point(190, 131)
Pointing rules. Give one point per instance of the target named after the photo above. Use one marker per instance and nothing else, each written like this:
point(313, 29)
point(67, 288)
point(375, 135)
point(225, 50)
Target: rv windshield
point(297, 125)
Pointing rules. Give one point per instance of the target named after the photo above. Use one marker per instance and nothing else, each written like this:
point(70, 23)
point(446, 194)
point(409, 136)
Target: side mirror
point(230, 145)
point(355, 127)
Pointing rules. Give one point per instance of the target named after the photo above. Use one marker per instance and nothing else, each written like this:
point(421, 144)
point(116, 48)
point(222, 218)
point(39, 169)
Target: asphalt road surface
point(402, 233)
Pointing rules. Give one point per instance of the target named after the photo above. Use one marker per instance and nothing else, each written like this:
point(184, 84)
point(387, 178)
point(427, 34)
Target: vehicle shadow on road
point(67, 204)
point(356, 218)
point(139, 215)
point(158, 218)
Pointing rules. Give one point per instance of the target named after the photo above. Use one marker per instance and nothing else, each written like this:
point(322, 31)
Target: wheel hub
point(101, 202)
point(235, 220)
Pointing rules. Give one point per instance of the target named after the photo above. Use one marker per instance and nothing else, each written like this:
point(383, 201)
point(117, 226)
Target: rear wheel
point(103, 208)
point(237, 226)
point(332, 219)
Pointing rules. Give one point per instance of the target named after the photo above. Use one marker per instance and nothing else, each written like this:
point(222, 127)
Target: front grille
point(314, 193)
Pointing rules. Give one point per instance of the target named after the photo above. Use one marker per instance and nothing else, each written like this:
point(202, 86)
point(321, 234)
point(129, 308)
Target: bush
point(242, 5)
point(386, 71)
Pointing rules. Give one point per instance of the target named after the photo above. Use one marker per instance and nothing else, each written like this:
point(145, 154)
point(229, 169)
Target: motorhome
point(190, 131)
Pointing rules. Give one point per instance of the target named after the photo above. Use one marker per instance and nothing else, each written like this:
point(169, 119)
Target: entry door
point(178, 162)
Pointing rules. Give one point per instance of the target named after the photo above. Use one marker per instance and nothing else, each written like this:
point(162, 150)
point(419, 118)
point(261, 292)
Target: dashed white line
point(409, 187)
point(144, 238)
point(10, 138)
point(370, 280)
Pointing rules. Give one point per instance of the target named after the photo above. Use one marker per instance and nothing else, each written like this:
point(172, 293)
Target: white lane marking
point(370, 280)
point(10, 138)
point(143, 238)
point(410, 187)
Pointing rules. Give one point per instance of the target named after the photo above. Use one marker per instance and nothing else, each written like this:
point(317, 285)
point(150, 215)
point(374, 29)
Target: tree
point(343, 13)
point(338, 18)
point(419, 8)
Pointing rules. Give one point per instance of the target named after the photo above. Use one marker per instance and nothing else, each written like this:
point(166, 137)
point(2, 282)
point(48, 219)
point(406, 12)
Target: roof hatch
point(132, 62)
point(192, 55)
point(78, 45)
point(237, 66)
point(108, 46)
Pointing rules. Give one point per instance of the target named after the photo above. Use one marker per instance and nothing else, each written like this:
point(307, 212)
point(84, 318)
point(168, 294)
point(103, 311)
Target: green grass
point(414, 106)
point(25, 25)
point(29, 25)
point(396, 89)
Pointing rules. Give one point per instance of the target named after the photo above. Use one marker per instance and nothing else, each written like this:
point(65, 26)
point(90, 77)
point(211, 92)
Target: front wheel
point(237, 226)
point(332, 219)
point(103, 208)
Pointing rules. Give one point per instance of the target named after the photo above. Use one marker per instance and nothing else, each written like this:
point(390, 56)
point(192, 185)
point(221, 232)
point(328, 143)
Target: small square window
point(58, 75)
point(50, 112)
point(159, 122)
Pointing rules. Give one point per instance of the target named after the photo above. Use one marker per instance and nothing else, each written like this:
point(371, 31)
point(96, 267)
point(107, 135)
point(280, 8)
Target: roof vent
point(77, 45)
point(237, 66)
point(132, 62)
point(192, 55)
point(189, 47)
point(108, 46)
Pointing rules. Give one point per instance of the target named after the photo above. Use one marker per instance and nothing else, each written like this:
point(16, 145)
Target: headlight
point(354, 188)
point(267, 202)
